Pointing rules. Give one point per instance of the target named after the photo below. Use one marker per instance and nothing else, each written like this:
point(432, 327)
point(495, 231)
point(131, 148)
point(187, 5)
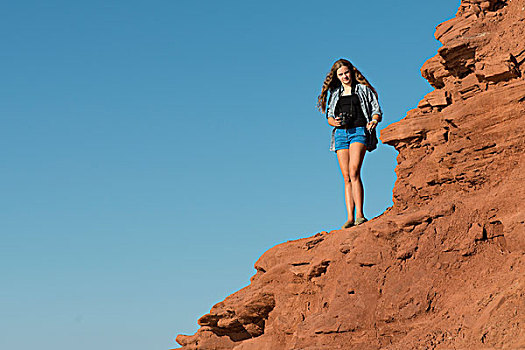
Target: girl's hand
point(334, 121)
point(370, 126)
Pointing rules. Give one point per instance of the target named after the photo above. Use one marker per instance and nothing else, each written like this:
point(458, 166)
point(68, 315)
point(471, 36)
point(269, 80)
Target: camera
point(345, 118)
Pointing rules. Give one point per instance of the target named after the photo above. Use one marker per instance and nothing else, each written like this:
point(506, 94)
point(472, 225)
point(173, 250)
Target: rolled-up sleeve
point(374, 103)
point(329, 111)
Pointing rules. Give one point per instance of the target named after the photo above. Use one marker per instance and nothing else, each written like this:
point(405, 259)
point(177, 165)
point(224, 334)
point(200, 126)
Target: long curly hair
point(331, 81)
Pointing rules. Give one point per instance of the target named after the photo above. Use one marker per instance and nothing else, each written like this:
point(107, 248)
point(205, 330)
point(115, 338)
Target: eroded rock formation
point(444, 267)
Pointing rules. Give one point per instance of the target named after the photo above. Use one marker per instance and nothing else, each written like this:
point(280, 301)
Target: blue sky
point(152, 151)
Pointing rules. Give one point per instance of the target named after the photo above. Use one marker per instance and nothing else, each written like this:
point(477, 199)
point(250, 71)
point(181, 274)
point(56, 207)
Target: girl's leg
point(357, 152)
point(343, 156)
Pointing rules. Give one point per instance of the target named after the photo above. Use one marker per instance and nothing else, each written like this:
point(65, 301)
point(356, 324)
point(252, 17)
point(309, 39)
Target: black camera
point(345, 118)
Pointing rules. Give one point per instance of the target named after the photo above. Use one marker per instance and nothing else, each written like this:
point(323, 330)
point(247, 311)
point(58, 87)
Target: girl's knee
point(347, 178)
point(355, 176)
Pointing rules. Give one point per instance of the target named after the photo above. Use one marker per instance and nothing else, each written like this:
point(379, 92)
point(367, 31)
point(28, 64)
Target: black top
point(349, 107)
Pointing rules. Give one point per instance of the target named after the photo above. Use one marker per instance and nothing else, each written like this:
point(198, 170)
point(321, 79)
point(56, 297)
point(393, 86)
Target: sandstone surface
point(443, 268)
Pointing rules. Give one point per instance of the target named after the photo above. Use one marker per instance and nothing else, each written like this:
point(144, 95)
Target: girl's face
point(343, 74)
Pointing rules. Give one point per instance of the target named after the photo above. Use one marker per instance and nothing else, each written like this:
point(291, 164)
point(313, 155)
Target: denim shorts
point(345, 137)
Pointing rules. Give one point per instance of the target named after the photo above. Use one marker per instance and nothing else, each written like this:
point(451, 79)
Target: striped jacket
point(370, 107)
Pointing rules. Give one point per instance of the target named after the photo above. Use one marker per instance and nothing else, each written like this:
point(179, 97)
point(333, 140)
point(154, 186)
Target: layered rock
point(444, 267)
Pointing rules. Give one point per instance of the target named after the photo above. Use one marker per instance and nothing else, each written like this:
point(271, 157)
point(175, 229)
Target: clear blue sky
point(152, 151)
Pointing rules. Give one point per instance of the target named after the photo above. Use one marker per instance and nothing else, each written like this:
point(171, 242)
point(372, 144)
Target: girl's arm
point(330, 117)
point(329, 112)
point(374, 103)
point(333, 121)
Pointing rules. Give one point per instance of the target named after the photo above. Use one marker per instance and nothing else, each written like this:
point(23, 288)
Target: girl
point(353, 110)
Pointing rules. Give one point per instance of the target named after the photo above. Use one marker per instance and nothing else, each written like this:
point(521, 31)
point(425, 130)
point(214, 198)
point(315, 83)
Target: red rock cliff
point(444, 267)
